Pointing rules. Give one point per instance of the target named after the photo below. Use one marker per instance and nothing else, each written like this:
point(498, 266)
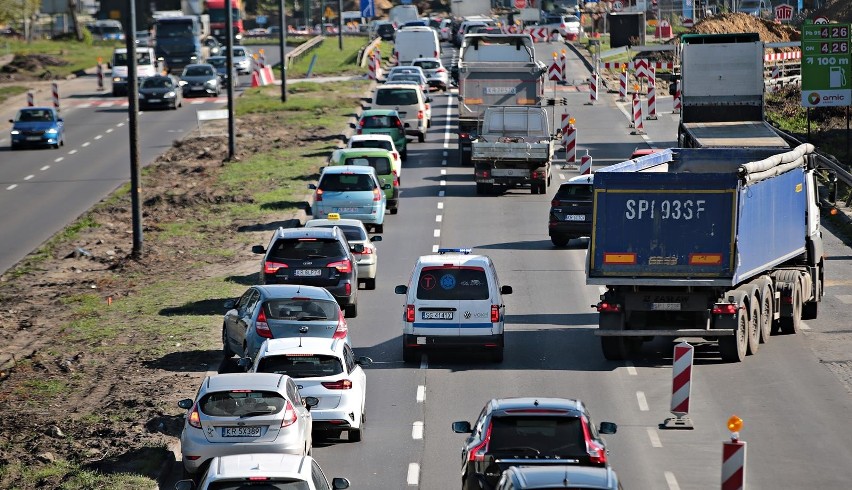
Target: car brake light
point(725, 309)
point(536, 174)
point(270, 267)
point(440, 70)
point(342, 327)
point(368, 250)
point(395, 156)
point(377, 196)
point(398, 123)
point(419, 114)
point(318, 195)
point(409, 313)
point(434, 54)
point(597, 453)
point(261, 327)
point(194, 419)
point(464, 136)
point(290, 416)
point(604, 307)
point(555, 203)
point(477, 453)
point(495, 313)
point(343, 266)
point(343, 384)
point(359, 131)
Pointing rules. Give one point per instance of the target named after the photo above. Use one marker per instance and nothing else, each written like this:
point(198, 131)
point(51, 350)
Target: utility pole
point(282, 46)
point(133, 127)
point(340, 24)
point(229, 66)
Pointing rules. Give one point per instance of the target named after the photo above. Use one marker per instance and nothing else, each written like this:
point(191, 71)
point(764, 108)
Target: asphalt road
point(42, 190)
point(793, 395)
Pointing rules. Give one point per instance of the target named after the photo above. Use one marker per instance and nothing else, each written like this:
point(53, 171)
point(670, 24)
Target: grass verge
point(77, 56)
point(330, 59)
point(11, 91)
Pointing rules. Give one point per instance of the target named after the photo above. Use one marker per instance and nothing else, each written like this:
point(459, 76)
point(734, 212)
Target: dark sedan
point(160, 91)
point(201, 79)
point(220, 63)
point(37, 126)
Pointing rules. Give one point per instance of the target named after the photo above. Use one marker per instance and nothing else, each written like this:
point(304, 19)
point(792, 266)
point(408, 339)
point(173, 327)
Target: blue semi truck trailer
point(717, 243)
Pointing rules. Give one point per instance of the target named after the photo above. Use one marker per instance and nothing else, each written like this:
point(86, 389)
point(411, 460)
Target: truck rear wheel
point(767, 312)
point(792, 324)
point(733, 348)
point(754, 324)
point(614, 348)
point(810, 308)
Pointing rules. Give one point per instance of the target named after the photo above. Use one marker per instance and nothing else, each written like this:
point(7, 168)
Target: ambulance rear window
point(443, 283)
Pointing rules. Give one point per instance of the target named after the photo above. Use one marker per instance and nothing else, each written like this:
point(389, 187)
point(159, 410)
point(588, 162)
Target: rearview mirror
point(339, 483)
point(229, 304)
point(363, 361)
point(608, 428)
point(310, 401)
point(185, 404)
point(258, 249)
point(387, 186)
point(400, 289)
point(182, 83)
point(407, 125)
point(462, 428)
point(376, 238)
point(506, 290)
point(185, 485)
point(312, 186)
point(428, 99)
point(245, 363)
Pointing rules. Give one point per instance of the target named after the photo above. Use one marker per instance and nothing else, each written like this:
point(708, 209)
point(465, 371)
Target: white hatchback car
point(240, 413)
point(264, 470)
point(325, 370)
point(453, 299)
point(356, 234)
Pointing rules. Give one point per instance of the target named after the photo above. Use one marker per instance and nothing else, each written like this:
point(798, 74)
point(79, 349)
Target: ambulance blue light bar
point(466, 251)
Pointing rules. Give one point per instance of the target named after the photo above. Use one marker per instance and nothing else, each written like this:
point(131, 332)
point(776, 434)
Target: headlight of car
point(116, 79)
point(193, 57)
point(170, 95)
point(15, 131)
point(211, 83)
point(141, 96)
point(52, 131)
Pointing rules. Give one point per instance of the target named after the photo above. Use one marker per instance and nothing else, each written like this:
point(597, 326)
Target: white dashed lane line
point(413, 474)
point(671, 480)
point(655, 439)
point(85, 144)
point(99, 136)
point(435, 249)
point(443, 183)
point(631, 369)
point(421, 393)
point(440, 205)
point(643, 403)
point(437, 233)
point(443, 171)
point(561, 176)
point(438, 218)
point(11, 187)
point(440, 193)
point(28, 177)
point(417, 430)
point(109, 130)
point(119, 125)
point(57, 160)
point(44, 168)
point(444, 163)
point(72, 152)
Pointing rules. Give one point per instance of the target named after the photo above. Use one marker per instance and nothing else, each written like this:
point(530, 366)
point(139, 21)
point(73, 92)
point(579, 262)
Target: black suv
point(386, 31)
point(313, 257)
point(571, 210)
point(529, 432)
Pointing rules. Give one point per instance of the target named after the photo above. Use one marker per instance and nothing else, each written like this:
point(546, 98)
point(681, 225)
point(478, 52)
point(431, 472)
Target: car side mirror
point(185, 404)
point(245, 363)
point(229, 304)
point(506, 290)
point(312, 186)
point(109, 64)
point(363, 361)
point(376, 238)
point(428, 99)
point(181, 83)
point(608, 428)
point(401, 289)
point(11, 120)
point(387, 187)
point(462, 428)
point(407, 125)
point(185, 485)
point(339, 483)
point(60, 120)
point(310, 401)
point(357, 248)
point(258, 249)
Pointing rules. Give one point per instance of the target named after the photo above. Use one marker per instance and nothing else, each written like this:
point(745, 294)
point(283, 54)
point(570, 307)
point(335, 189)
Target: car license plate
point(197, 86)
point(241, 431)
point(307, 272)
point(575, 217)
point(437, 315)
point(346, 210)
point(153, 100)
point(485, 181)
point(500, 90)
point(665, 306)
point(421, 340)
point(33, 138)
point(510, 172)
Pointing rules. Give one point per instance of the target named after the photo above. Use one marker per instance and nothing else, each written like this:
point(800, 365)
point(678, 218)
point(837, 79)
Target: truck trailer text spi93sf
point(718, 243)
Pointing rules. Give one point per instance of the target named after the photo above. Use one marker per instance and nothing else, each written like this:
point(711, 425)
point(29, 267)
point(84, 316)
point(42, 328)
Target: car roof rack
point(465, 251)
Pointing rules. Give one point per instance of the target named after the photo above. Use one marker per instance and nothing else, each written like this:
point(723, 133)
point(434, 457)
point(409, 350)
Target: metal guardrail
point(300, 51)
point(365, 52)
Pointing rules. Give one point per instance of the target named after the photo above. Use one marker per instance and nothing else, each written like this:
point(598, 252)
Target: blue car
point(37, 126)
point(353, 192)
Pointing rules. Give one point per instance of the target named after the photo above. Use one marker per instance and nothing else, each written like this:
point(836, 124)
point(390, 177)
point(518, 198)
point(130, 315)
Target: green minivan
point(385, 121)
point(378, 158)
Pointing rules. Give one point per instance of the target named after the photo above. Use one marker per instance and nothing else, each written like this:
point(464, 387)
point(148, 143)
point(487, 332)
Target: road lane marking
point(440, 205)
point(631, 369)
point(655, 439)
point(440, 193)
point(109, 130)
point(643, 403)
point(106, 104)
point(421, 393)
point(445, 153)
point(561, 176)
point(671, 480)
point(443, 183)
point(99, 136)
point(44, 168)
point(435, 249)
point(449, 123)
point(28, 177)
point(57, 160)
point(437, 233)
point(424, 362)
point(84, 105)
point(119, 125)
point(443, 171)
point(85, 144)
point(413, 473)
point(804, 326)
point(417, 430)
point(444, 163)
point(72, 152)
point(438, 218)
point(11, 187)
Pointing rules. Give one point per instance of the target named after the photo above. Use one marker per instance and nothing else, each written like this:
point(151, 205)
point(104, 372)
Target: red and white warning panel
point(734, 457)
point(681, 387)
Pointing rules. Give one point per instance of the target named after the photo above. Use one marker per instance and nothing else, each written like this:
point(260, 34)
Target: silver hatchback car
point(241, 413)
point(557, 476)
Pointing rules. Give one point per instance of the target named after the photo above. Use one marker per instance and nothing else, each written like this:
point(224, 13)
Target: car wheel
point(421, 138)
point(394, 210)
point(559, 241)
point(497, 353)
point(379, 228)
point(370, 284)
point(428, 124)
point(408, 355)
point(404, 154)
point(534, 188)
point(351, 310)
point(226, 346)
point(356, 435)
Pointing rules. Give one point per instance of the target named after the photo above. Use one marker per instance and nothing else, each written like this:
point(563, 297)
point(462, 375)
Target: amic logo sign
point(813, 98)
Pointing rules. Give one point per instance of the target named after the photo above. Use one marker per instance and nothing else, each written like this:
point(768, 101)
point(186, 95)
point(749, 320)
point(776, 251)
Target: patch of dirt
point(28, 67)
point(769, 31)
point(133, 397)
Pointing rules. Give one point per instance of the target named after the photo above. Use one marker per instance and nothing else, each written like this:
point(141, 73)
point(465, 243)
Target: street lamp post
point(282, 46)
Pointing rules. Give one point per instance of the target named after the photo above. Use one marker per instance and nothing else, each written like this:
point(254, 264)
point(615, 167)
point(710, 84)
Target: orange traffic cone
point(255, 79)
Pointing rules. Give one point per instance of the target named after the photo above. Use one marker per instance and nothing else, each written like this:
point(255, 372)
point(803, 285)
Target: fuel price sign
point(826, 68)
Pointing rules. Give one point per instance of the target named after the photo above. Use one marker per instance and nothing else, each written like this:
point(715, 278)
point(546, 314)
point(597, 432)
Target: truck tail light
point(605, 307)
point(726, 308)
point(495, 313)
point(409, 313)
point(261, 326)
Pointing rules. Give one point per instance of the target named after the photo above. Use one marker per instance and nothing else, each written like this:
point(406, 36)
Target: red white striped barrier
point(371, 67)
point(538, 34)
point(554, 71)
point(776, 74)
point(790, 55)
point(54, 88)
point(261, 59)
point(638, 126)
point(563, 61)
point(641, 68)
point(616, 66)
point(622, 86)
point(30, 99)
point(662, 65)
point(677, 103)
point(652, 96)
point(681, 387)
point(569, 140)
point(639, 64)
point(268, 75)
point(100, 73)
point(593, 89)
point(733, 465)
point(586, 164)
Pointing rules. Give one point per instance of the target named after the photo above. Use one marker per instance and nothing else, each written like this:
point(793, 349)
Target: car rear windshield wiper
point(311, 317)
point(525, 449)
point(255, 413)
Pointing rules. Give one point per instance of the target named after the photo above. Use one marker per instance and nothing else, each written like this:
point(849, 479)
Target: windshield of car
point(428, 65)
point(217, 62)
point(396, 96)
point(34, 115)
point(301, 365)
point(346, 183)
point(300, 309)
point(198, 71)
point(120, 59)
point(548, 435)
point(405, 77)
point(378, 122)
point(383, 144)
point(352, 233)
point(157, 82)
point(271, 484)
point(443, 283)
point(240, 403)
point(239, 52)
point(575, 191)
point(381, 164)
point(305, 248)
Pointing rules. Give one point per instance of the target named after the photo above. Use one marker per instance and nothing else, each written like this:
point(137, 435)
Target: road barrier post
point(652, 94)
point(677, 103)
point(569, 140)
point(554, 71)
point(586, 164)
point(54, 88)
point(734, 457)
point(776, 74)
point(30, 99)
point(681, 387)
point(622, 86)
point(593, 89)
point(371, 67)
point(100, 72)
point(638, 125)
point(563, 62)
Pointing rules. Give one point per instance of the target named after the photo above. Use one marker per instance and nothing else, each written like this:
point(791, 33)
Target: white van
point(146, 66)
point(411, 104)
point(401, 14)
point(416, 42)
point(453, 299)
